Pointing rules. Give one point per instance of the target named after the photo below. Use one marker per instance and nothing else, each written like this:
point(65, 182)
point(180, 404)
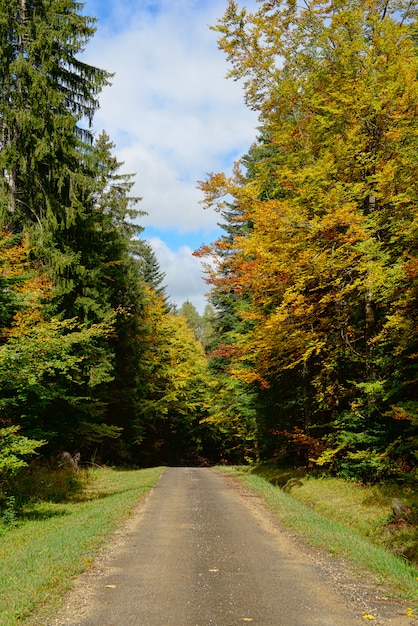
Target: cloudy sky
point(173, 117)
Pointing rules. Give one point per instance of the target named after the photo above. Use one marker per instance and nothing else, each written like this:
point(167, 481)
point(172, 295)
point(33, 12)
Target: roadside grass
point(347, 519)
point(367, 509)
point(50, 542)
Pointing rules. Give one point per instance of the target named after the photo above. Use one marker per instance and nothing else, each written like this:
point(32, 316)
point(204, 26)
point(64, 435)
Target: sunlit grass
point(341, 517)
point(364, 508)
point(55, 542)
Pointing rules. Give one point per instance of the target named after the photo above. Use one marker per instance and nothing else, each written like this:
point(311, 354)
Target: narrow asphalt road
point(199, 553)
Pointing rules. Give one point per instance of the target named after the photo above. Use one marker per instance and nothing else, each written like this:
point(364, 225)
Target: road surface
point(202, 553)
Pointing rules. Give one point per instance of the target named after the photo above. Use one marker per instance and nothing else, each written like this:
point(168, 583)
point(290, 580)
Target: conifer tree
point(149, 266)
point(46, 93)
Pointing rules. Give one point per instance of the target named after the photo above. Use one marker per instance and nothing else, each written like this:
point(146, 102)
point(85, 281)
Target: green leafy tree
point(69, 194)
point(201, 325)
point(49, 368)
point(15, 450)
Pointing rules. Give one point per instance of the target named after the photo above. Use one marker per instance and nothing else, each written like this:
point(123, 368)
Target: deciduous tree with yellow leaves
point(328, 265)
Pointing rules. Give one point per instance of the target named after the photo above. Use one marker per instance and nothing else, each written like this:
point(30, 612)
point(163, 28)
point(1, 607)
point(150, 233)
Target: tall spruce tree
point(149, 267)
point(46, 93)
point(101, 238)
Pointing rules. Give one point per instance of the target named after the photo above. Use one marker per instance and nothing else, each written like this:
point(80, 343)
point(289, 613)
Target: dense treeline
point(93, 359)
point(314, 281)
point(307, 351)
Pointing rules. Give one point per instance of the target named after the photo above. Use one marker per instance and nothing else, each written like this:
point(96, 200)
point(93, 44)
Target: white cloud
point(171, 113)
point(183, 274)
point(168, 201)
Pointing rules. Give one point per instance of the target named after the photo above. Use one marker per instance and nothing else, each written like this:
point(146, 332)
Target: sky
point(173, 117)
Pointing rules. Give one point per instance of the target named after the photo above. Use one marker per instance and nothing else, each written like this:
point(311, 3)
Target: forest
point(306, 354)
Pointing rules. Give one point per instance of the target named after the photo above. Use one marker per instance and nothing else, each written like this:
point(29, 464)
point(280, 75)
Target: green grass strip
point(39, 558)
point(389, 570)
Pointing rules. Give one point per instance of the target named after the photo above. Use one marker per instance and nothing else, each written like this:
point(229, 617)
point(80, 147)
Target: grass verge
point(54, 542)
point(328, 528)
